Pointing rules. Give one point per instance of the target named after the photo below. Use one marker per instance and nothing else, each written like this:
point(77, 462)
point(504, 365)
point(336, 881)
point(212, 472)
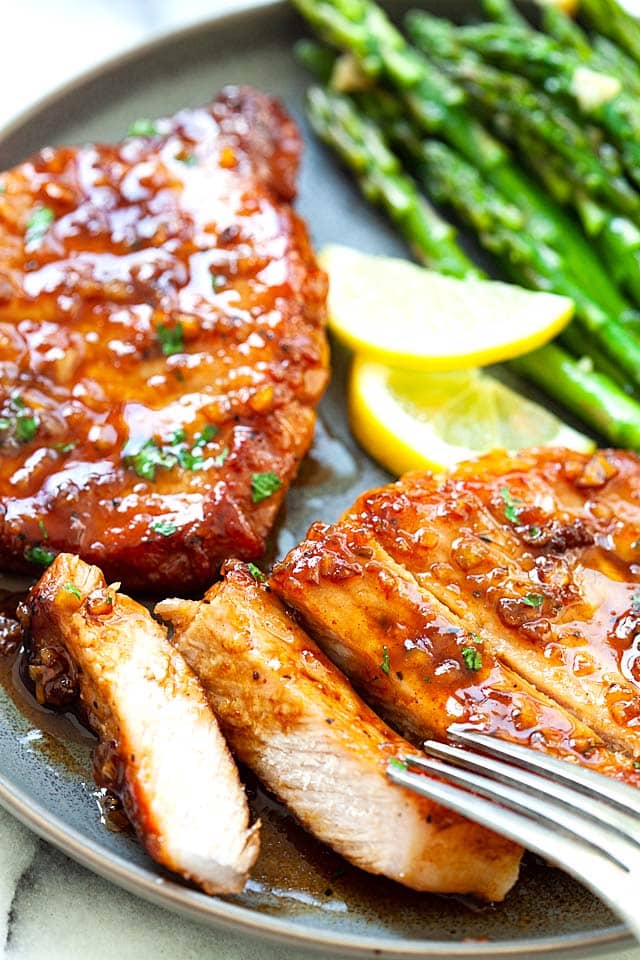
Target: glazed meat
point(161, 345)
point(160, 750)
point(292, 717)
point(501, 597)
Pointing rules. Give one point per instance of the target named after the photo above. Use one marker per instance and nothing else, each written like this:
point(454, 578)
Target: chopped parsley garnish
point(385, 666)
point(533, 599)
point(164, 527)
point(472, 658)
point(256, 573)
point(395, 764)
point(143, 128)
point(512, 505)
point(216, 281)
point(64, 447)
point(636, 764)
point(72, 589)
point(43, 529)
point(39, 555)
point(263, 485)
point(153, 455)
point(149, 458)
point(222, 456)
point(26, 428)
point(170, 339)
point(534, 532)
point(24, 425)
point(37, 226)
point(209, 431)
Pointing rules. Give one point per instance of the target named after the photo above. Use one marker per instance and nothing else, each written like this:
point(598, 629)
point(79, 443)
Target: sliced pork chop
point(160, 750)
point(162, 345)
point(541, 552)
point(293, 718)
point(417, 662)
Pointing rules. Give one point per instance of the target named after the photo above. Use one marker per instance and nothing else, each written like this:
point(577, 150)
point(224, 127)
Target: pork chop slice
point(539, 551)
point(418, 663)
point(160, 750)
point(293, 718)
point(162, 345)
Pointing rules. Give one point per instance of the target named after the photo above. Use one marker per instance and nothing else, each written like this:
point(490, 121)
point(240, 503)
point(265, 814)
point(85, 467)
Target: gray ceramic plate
point(301, 893)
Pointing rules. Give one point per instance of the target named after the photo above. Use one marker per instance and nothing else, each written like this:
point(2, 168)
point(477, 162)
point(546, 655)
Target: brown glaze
point(183, 242)
point(539, 552)
point(423, 570)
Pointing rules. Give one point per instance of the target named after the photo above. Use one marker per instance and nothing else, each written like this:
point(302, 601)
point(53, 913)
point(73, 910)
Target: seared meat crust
point(161, 345)
point(160, 750)
point(432, 597)
point(290, 715)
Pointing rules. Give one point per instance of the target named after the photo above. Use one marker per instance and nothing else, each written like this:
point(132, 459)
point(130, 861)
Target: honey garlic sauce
point(424, 668)
point(158, 299)
point(539, 552)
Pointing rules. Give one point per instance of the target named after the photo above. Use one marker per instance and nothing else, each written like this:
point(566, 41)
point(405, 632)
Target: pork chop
point(442, 612)
point(162, 345)
point(160, 750)
point(293, 718)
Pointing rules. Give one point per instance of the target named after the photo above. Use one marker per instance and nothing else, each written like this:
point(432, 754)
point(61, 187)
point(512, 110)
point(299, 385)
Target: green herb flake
point(256, 573)
point(385, 666)
point(43, 529)
point(394, 763)
point(534, 532)
point(472, 658)
point(209, 431)
point(178, 436)
point(512, 505)
point(222, 456)
point(191, 459)
point(635, 603)
point(216, 281)
point(17, 402)
point(149, 458)
point(143, 127)
point(636, 764)
point(73, 590)
point(64, 447)
point(5, 423)
point(39, 555)
point(164, 527)
point(263, 485)
point(37, 226)
point(26, 429)
point(170, 338)
point(533, 599)
point(189, 159)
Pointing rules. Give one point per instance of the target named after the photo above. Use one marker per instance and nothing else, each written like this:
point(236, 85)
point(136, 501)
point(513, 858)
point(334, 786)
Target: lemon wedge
point(410, 317)
point(408, 420)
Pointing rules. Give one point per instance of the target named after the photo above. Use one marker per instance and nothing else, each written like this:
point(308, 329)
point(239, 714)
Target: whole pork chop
point(161, 345)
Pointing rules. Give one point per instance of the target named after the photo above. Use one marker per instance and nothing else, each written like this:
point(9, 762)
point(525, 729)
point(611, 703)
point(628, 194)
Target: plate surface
point(301, 893)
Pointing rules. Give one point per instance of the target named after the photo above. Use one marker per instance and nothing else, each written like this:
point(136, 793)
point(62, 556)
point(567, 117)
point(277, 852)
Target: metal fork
point(581, 821)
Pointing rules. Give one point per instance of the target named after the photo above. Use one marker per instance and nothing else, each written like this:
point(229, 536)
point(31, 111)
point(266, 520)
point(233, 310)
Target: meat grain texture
point(160, 750)
point(292, 717)
point(162, 345)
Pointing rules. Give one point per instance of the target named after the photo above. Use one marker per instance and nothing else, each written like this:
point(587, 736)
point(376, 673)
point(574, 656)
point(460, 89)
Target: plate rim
point(168, 893)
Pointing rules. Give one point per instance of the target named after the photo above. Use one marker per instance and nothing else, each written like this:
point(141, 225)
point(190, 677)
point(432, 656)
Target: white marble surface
point(50, 907)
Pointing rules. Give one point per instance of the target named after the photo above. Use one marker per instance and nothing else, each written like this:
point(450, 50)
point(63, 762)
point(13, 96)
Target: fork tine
point(601, 875)
point(537, 806)
point(587, 781)
point(596, 809)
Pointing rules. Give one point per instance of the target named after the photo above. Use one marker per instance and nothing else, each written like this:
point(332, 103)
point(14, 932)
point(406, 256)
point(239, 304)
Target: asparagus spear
point(611, 19)
point(438, 106)
point(597, 95)
point(597, 399)
point(504, 11)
